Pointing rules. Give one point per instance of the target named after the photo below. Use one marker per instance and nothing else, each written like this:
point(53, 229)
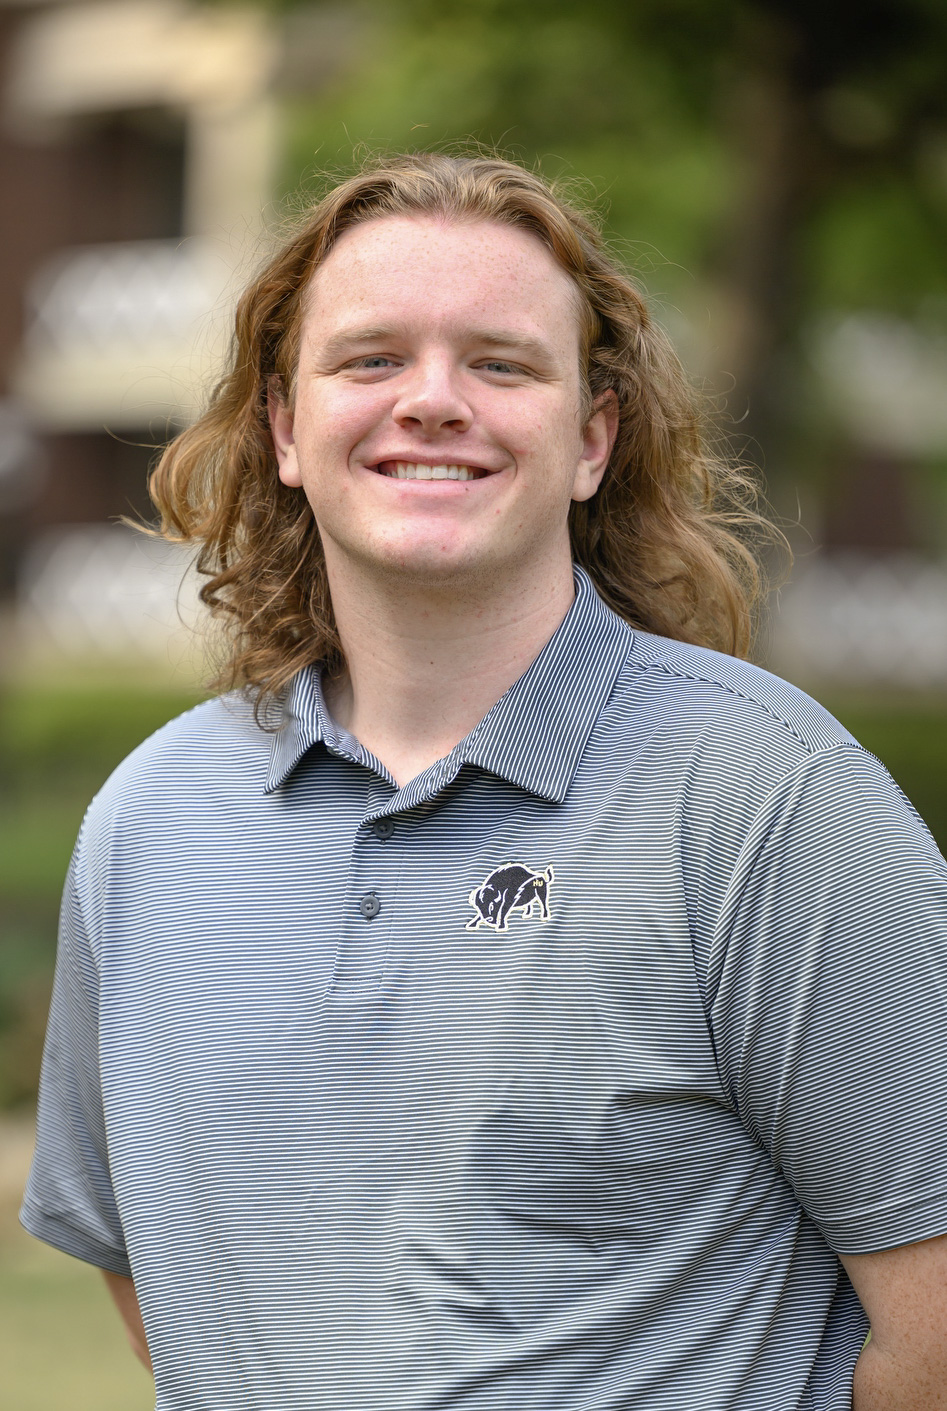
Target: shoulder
point(213, 751)
point(728, 689)
point(720, 742)
point(688, 686)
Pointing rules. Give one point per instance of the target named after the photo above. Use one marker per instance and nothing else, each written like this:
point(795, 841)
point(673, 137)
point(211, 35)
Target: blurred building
point(869, 609)
point(140, 148)
point(139, 154)
point(137, 159)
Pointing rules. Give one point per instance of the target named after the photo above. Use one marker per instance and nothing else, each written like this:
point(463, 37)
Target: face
point(436, 428)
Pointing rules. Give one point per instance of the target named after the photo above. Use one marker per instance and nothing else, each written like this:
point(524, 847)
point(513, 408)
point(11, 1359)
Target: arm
point(123, 1292)
point(832, 1033)
point(904, 1293)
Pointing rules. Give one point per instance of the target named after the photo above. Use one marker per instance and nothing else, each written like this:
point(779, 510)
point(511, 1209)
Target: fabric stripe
point(557, 1078)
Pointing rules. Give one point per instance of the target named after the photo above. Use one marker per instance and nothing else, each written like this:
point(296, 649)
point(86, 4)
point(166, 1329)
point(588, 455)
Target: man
point(505, 1001)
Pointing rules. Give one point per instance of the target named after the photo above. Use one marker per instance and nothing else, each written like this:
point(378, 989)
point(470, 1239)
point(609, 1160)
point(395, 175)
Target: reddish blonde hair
point(664, 539)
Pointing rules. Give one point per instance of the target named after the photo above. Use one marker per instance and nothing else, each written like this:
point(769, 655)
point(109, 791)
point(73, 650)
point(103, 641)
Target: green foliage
point(569, 100)
point(57, 747)
point(876, 243)
point(83, 732)
point(908, 737)
point(649, 102)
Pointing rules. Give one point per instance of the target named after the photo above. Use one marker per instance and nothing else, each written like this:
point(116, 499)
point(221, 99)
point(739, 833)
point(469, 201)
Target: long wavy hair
point(670, 538)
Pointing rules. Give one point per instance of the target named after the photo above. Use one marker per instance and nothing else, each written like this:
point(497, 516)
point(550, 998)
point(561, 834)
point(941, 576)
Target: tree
point(781, 156)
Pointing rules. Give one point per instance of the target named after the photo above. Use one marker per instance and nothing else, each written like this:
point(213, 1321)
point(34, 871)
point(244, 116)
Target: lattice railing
point(131, 296)
point(847, 619)
point(864, 620)
point(105, 590)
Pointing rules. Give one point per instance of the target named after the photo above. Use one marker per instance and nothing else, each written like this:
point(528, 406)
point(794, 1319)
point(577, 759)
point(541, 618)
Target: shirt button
point(383, 828)
point(369, 906)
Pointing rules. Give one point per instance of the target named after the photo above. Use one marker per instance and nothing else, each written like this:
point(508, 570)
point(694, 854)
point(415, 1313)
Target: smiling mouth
point(409, 470)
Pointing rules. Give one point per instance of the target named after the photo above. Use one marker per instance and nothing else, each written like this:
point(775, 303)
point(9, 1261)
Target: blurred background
point(774, 172)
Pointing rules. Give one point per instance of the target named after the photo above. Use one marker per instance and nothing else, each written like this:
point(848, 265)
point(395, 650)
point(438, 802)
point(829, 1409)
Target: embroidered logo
point(511, 887)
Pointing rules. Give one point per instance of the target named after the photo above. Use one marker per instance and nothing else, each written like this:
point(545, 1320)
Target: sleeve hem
point(911, 1224)
point(59, 1233)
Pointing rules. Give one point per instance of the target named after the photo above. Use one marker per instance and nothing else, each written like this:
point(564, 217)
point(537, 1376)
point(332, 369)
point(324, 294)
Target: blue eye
point(376, 360)
point(499, 367)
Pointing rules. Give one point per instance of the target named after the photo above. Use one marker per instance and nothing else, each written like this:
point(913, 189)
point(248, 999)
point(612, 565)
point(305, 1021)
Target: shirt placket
point(371, 897)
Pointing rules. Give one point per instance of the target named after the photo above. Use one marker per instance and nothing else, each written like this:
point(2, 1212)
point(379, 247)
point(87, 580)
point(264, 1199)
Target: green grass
point(62, 1344)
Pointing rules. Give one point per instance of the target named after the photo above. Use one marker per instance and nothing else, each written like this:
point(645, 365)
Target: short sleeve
point(69, 1200)
point(829, 1001)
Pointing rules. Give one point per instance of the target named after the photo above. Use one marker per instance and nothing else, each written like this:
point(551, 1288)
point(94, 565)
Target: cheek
point(528, 431)
point(550, 438)
point(333, 428)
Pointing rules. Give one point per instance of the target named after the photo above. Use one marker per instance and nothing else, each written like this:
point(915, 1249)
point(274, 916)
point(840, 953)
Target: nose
point(430, 398)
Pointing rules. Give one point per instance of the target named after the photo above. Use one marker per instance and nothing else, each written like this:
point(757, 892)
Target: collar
point(533, 737)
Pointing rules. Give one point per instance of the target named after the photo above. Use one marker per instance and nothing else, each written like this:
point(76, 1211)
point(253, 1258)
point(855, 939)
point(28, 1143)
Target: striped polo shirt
point(556, 1079)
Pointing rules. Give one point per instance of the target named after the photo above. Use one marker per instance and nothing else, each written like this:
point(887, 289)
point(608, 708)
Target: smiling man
point(507, 997)
point(435, 429)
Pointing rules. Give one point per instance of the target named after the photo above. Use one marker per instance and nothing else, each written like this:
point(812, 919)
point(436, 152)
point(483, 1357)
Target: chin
point(432, 567)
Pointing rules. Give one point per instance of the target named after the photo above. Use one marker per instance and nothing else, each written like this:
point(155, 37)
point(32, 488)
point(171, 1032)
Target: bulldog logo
point(511, 887)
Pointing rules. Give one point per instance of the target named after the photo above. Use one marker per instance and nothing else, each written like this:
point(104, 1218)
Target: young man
point(507, 999)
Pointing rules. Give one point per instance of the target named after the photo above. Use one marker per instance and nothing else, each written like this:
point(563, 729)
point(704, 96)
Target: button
point(369, 906)
point(383, 828)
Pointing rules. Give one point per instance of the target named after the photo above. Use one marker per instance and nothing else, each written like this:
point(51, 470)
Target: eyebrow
point(347, 338)
point(502, 338)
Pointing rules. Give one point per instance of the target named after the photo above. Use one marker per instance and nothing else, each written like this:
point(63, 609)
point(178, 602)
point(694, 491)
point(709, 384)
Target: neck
point(424, 663)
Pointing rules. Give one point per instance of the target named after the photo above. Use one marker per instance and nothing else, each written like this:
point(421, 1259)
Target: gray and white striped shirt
point(555, 1079)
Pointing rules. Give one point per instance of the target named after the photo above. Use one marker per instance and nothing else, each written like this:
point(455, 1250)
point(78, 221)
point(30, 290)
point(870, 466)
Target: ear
point(280, 414)
point(598, 438)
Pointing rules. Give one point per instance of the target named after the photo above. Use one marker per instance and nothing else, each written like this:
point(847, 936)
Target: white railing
point(131, 295)
point(864, 620)
point(97, 590)
point(848, 620)
point(121, 335)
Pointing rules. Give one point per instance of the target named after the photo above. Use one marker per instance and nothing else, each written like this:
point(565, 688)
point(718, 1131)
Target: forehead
point(441, 273)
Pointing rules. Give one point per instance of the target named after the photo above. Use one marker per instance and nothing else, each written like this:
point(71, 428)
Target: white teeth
point(406, 470)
